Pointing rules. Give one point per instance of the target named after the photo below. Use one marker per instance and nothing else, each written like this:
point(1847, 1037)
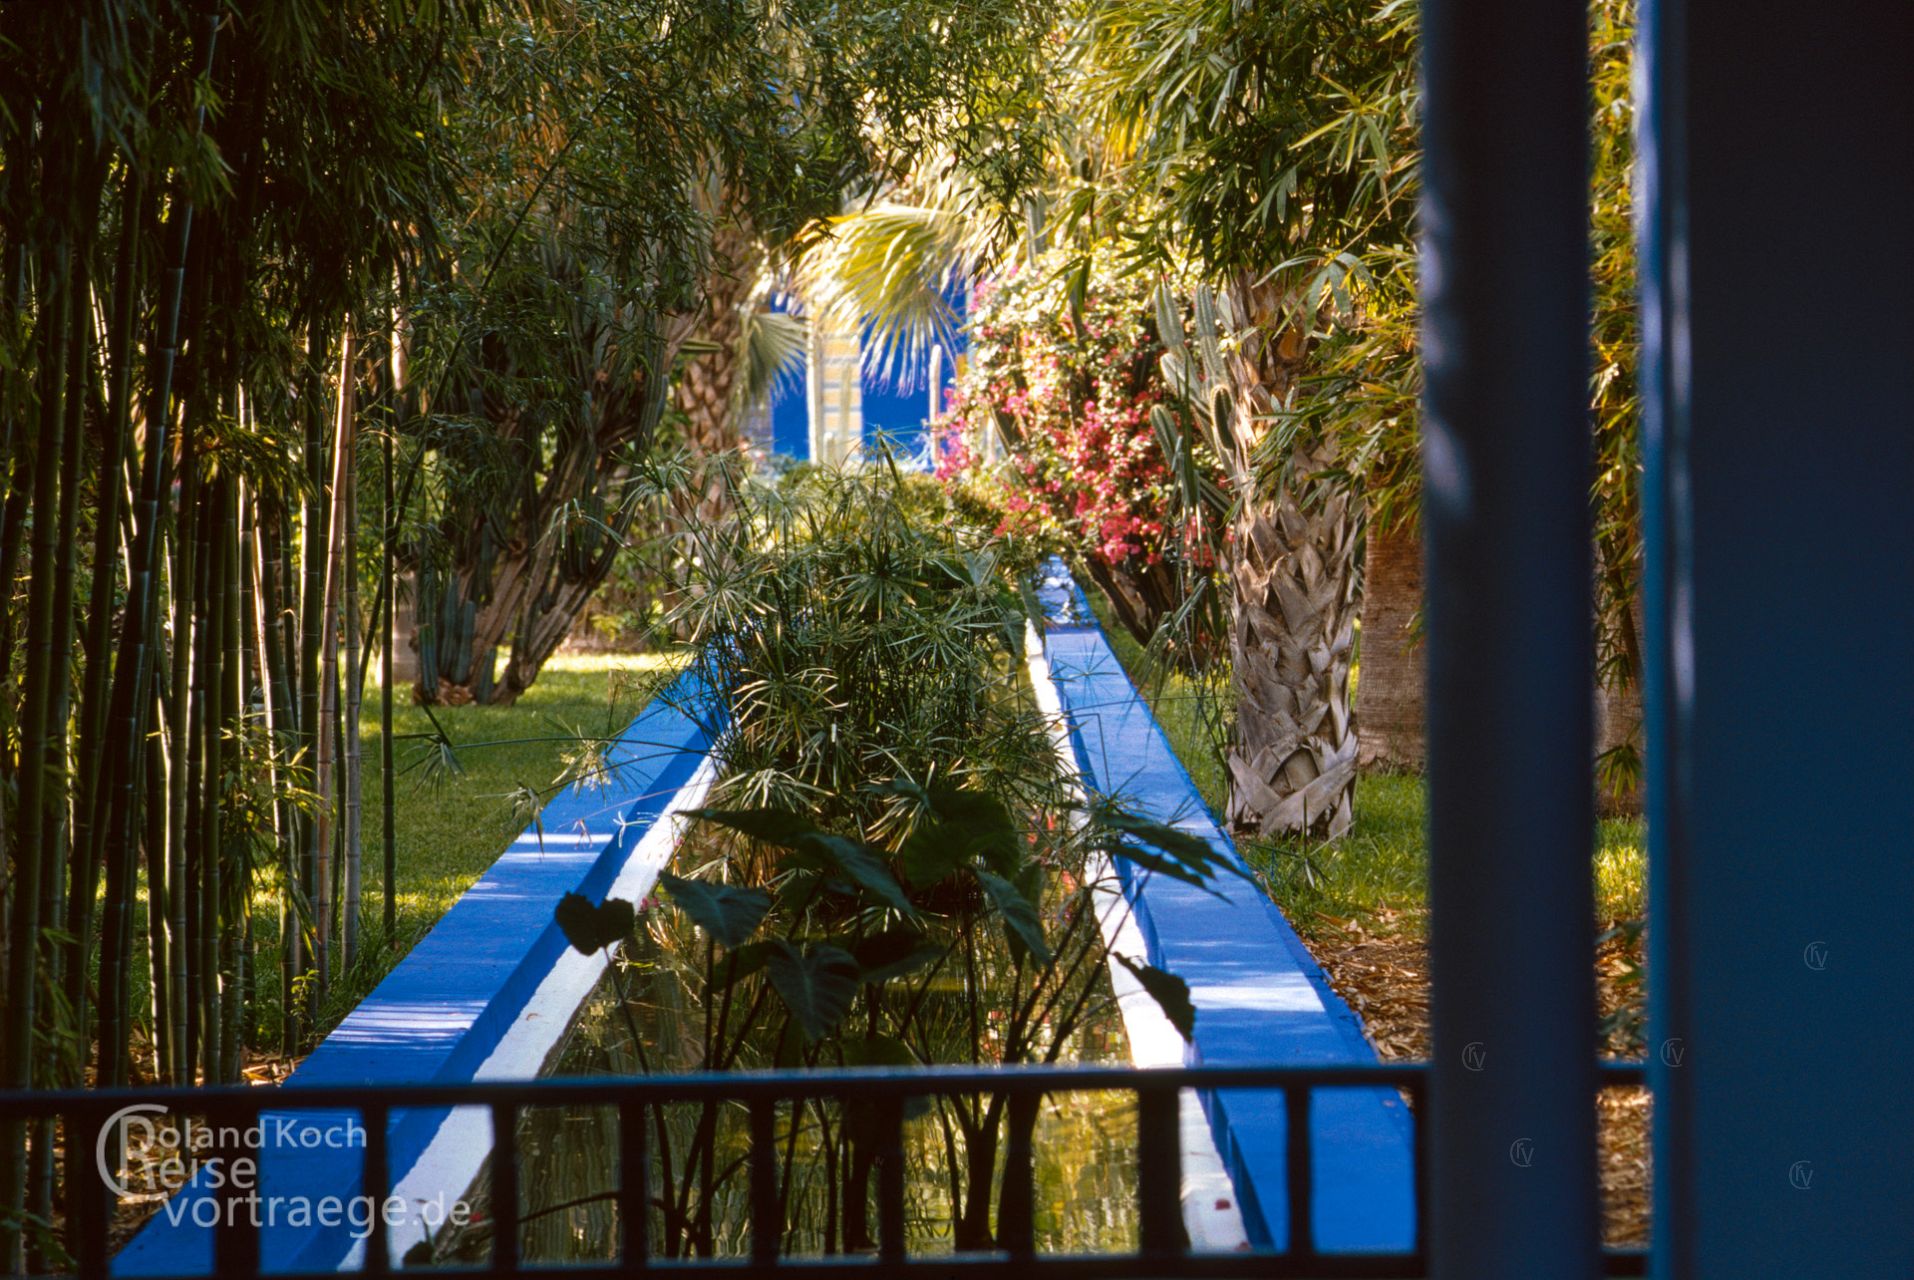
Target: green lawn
point(454, 816)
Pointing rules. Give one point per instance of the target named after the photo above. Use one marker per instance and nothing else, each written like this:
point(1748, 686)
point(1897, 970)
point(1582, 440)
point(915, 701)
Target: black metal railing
point(1161, 1250)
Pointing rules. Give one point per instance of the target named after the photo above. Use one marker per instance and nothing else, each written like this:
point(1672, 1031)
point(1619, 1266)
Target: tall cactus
point(1291, 561)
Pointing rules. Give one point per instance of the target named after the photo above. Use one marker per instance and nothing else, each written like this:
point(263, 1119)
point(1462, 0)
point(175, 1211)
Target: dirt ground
point(1379, 964)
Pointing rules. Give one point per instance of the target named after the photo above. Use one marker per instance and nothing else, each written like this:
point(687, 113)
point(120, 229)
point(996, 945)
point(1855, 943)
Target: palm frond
point(774, 344)
point(891, 272)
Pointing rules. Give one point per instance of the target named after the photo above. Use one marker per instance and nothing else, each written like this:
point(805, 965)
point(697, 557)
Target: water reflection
point(1084, 1170)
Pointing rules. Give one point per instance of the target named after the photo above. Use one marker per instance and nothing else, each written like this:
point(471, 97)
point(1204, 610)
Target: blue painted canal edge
point(1260, 997)
point(488, 993)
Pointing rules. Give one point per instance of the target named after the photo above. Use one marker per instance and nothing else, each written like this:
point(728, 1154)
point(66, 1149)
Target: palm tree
point(1213, 108)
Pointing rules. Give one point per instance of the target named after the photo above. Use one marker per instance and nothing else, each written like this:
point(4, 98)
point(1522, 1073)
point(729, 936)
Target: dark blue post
point(1509, 613)
point(1777, 182)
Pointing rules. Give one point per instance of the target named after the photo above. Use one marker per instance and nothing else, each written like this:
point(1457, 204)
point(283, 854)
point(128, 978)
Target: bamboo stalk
point(52, 900)
point(36, 738)
point(179, 793)
point(388, 586)
point(313, 551)
point(213, 751)
point(221, 963)
point(110, 489)
point(349, 567)
point(132, 675)
point(239, 994)
point(324, 783)
point(193, 718)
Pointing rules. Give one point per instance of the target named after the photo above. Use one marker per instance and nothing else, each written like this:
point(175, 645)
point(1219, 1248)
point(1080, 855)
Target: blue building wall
point(894, 406)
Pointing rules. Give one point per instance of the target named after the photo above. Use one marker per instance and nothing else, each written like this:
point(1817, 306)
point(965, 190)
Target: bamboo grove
point(190, 363)
point(299, 303)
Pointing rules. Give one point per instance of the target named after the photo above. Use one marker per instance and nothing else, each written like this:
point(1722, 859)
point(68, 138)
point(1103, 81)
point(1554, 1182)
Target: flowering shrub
point(1063, 394)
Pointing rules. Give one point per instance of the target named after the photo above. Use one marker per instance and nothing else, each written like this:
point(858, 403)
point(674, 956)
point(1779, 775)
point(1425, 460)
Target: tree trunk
point(706, 390)
point(1618, 729)
point(523, 568)
point(1389, 695)
point(1292, 571)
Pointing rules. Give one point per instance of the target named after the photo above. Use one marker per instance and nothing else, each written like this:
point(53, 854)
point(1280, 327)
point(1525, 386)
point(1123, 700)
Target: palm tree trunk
point(1389, 695)
point(706, 391)
point(1292, 574)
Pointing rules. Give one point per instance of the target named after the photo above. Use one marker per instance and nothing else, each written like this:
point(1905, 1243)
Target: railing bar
point(505, 1187)
point(237, 1248)
point(377, 1185)
point(1207, 1266)
point(236, 1232)
point(634, 1183)
point(89, 1203)
point(1159, 1172)
point(767, 1215)
point(1298, 1173)
point(890, 1182)
point(856, 1084)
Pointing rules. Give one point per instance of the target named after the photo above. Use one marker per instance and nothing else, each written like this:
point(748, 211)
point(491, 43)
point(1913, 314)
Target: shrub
point(1061, 379)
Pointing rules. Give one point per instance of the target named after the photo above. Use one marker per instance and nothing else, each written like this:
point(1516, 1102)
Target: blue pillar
point(1509, 614)
point(1778, 264)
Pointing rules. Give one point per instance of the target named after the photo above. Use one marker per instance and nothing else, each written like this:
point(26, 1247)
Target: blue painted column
point(1509, 614)
point(1777, 179)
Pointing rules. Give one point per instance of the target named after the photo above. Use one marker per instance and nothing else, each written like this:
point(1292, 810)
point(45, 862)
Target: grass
point(452, 821)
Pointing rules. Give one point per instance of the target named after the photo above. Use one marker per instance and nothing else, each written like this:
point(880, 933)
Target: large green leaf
point(783, 829)
point(962, 826)
point(746, 960)
point(1177, 854)
point(588, 926)
point(860, 864)
point(878, 1051)
point(894, 953)
point(1019, 916)
point(816, 984)
point(1171, 993)
point(779, 827)
point(729, 914)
